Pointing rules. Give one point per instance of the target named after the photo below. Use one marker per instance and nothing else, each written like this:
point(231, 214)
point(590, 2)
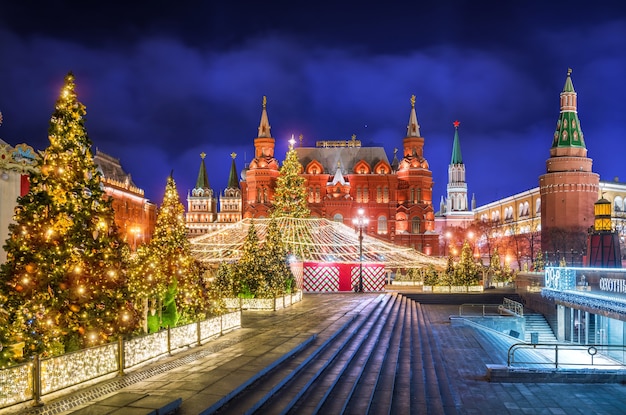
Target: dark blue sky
point(165, 81)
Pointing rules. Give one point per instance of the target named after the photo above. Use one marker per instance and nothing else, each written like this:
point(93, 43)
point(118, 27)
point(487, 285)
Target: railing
point(513, 306)
point(30, 381)
point(566, 354)
point(483, 309)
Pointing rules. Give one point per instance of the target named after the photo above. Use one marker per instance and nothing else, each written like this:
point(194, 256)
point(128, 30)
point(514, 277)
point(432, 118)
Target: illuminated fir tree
point(166, 282)
point(466, 271)
point(290, 196)
point(276, 270)
point(539, 264)
point(495, 267)
point(250, 267)
point(64, 281)
point(447, 277)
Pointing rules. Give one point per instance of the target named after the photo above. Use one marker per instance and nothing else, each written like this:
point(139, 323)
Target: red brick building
point(342, 176)
point(135, 216)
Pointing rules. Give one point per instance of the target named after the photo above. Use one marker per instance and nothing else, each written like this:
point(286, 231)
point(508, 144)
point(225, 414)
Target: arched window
point(338, 217)
point(382, 225)
point(618, 204)
point(386, 194)
point(379, 194)
point(415, 225)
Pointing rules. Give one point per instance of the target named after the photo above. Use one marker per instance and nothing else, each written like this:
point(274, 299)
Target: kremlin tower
point(569, 188)
point(201, 204)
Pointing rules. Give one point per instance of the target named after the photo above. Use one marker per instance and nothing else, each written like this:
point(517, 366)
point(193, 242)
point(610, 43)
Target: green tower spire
point(203, 179)
point(233, 179)
point(568, 132)
point(457, 158)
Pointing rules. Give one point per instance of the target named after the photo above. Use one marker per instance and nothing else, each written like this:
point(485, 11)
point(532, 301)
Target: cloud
point(157, 102)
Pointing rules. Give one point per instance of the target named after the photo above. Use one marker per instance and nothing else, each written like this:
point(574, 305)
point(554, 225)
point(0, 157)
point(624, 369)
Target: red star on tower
point(456, 124)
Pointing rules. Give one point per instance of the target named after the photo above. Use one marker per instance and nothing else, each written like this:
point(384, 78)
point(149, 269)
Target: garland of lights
point(311, 240)
point(586, 300)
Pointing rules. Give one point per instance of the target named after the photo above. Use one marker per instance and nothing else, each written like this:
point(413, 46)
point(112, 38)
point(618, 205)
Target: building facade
point(342, 176)
point(202, 214)
point(135, 215)
point(16, 163)
point(560, 211)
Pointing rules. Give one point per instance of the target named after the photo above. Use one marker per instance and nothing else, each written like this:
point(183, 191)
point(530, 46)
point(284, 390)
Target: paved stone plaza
point(197, 378)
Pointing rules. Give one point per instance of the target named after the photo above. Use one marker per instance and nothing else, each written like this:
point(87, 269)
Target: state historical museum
point(342, 177)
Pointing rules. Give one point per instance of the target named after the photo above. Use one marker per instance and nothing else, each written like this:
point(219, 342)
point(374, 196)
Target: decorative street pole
point(360, 222)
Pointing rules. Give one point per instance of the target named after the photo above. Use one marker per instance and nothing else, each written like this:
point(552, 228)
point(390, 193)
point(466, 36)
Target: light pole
point(360, 222)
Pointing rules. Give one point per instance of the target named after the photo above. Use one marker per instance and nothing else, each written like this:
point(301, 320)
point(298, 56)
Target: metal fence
point(564, 355)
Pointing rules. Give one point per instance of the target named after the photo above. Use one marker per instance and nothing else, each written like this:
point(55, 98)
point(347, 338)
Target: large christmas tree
point(290, 193)
point(166, 281)
point(64, 283)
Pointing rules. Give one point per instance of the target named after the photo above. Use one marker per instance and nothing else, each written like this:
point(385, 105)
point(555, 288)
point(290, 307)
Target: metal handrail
point(483, 306)
point(514, 306)
point(557, 350)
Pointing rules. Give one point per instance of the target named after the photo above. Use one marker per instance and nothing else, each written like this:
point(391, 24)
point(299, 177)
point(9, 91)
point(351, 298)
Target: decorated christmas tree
point(466, 271)
point(277, 273)
point(290, 193)
point(250, 267)
point(166, 282)
point(64, 282)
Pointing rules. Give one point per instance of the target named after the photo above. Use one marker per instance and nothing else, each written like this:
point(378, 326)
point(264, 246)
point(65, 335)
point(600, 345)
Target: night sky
point(165, 81)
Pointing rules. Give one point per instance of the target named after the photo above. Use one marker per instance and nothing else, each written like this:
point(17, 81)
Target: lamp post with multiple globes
point(360, 222)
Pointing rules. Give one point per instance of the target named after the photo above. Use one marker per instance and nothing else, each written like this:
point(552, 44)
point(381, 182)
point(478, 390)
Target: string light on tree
point(60, 294)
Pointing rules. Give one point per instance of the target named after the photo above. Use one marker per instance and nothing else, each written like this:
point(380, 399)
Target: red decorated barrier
point(341, 277)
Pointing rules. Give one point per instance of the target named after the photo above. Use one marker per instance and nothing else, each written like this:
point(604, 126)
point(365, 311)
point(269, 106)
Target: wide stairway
point(384, 360)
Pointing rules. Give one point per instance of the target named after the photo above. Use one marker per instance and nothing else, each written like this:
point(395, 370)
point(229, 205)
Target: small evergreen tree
point(249, 269)
point(539, 264)
point(277, 272)
point(495, 267)
point(466, 271)
point(64, 279)
point(166, 280)
point(447, 278)
point(432, 276)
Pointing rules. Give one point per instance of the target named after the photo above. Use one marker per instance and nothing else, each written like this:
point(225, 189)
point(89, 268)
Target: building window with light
point(415, 225)
point(382, 225)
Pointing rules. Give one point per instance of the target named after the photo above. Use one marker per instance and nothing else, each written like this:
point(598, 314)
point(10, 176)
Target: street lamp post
point(360, 222)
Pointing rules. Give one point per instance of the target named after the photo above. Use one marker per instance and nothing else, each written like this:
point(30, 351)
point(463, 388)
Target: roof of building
point(346, 157)
point(112, 169)
point(233, 179)
point(202, 182)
